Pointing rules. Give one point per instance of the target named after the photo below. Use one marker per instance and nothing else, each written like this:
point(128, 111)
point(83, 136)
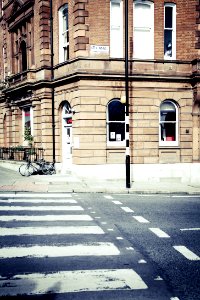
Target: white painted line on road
point(71, 281)
point(110, 229)
point(189, 229)
point(40, 208)
point(119, 238)
point(46, 218)
point(160, 233)
point(142, 261)
point(108, 197)
point(141, 219)
point(71, 201)
point(89, 249)
point(127, 209)
point(185, 196)
point(51, 230)
point(187, 253)
point(35, 195)
point(117, 202)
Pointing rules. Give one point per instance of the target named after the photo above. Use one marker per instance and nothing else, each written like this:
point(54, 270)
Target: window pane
point(168, 17)
point(168, 132)
point(116, 111)
point(116, 132)
point(115, 18)
point(142, 15)
point(65, 19)
point(168, 43)
point(27, 117)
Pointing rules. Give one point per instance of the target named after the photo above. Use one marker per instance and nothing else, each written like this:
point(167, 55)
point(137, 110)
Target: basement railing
point(21, 153)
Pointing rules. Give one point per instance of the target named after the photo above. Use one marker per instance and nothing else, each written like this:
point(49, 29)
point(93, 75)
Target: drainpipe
point(128, 184)
point(52, 79)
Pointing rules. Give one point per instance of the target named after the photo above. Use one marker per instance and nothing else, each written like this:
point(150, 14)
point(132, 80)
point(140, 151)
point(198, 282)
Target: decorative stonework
point(80, 14)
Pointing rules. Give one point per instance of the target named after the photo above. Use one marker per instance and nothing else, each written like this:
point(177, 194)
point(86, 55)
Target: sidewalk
point(70, 183)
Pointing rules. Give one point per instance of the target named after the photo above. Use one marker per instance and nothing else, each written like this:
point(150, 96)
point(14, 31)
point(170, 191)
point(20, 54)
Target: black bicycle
point(39, 167)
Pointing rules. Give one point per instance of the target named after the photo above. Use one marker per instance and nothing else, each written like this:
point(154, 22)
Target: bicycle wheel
point(46, 169)
point(25, 170)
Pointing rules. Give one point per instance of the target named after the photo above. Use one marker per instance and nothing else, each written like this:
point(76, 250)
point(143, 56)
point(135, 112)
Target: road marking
point(127, 209)
point(51, 230)
point(186, 252)
point(71, 201)
point(46, 218)
point(35, 195)
point(119, 238)
point(71, 281)
point(89, 249)
point(108, 197)
point(140, 219)
point(160, 233)
point(40, 208)
point(117, 202)
point(189, 229)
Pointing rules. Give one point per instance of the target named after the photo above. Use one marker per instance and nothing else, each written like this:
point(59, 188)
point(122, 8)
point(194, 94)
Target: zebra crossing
point(51, 246)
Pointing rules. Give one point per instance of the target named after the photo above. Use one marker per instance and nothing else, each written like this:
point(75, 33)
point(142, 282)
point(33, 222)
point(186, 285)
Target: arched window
point(168, 124)
point(23, 55)
point(116, 123)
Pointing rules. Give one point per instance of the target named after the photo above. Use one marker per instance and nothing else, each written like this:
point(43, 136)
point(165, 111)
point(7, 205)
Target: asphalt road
point(97, 246)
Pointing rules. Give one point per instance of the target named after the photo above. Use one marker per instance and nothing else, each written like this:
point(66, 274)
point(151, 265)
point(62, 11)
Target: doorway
point(66, 136)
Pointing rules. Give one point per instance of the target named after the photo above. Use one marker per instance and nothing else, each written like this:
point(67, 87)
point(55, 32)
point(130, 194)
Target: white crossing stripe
point(108, 197)
point(140, 219)
point(46, 218)
point(39, 208)
point(87, 249)
point(127, 209)
point(71, 281)
point(190, 229)
point(160, 233)
point(35, 195)
point(117, 202)
point(51, 230)
point(71, 201)
point(187, 253)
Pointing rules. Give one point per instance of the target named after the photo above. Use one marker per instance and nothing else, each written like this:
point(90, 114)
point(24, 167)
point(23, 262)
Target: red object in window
point(69, 121)
point(170, 138)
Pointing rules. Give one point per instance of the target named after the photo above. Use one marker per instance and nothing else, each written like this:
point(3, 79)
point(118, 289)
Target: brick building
point(62, 76)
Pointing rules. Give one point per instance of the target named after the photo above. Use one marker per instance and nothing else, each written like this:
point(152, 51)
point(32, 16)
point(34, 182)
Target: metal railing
point(21, 153)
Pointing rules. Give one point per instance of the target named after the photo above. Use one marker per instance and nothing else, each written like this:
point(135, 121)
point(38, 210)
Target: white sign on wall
point(95, 49)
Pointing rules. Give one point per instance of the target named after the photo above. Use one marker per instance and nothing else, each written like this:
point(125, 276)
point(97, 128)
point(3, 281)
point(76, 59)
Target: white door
point(66, 137)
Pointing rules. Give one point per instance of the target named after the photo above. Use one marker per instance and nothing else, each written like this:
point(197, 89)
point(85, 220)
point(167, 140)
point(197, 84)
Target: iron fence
point(21, 153)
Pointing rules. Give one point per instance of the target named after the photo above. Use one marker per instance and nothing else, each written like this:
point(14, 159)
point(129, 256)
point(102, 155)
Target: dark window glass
point(168, 17)
point(116, 111)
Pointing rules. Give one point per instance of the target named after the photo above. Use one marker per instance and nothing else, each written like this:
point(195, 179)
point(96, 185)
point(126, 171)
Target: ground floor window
point(116, 123)
point(27, 119)
point(168, 123)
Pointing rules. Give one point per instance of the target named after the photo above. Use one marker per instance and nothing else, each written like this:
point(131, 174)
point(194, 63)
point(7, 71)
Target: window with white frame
point(143, 29)
point(115, 123)
point(27, 120)
point(63, 34)
point(168, 124)
point(116, 28)
point(170, 31)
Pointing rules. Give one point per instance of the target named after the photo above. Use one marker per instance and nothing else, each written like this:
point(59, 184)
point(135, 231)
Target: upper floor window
point(23, 56)
point(116, 28)
point(116, 123)
point(63, 34)
point(168, 124)
point(170, 31)
point(143, 29)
